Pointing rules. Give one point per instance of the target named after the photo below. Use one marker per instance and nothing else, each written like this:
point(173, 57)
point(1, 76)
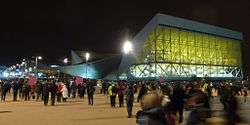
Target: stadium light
point(39, 57)
point(127, 47)
point(65, 60)
point(87, 56)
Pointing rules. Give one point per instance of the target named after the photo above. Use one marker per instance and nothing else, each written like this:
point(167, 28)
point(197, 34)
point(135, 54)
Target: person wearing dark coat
point(5, 88)
point(46, 93)
point(15, 87)
point(39, 88)
point(142, 92)
point(81, 88)
point(26, 91)
point(73, 89)
point(177, 100)
point(90, 91)
point(20, 83)
point(120, 92)
point(53, 90)
point(129, 100)
point(68, 87)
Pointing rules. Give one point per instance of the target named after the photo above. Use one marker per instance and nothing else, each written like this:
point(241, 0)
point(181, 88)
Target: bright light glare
point(65, 60)
point(39, 57)
point(87, 55)
point(30, 69)
point(127, 47)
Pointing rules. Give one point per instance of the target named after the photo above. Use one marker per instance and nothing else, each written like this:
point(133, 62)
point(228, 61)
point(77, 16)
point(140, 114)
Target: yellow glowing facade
point(174, 52)
point(181, 53)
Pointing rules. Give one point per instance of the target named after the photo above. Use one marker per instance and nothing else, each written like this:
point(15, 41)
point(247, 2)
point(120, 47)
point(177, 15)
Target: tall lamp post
point(127, 48)
point(37, 58)
point(87, 56)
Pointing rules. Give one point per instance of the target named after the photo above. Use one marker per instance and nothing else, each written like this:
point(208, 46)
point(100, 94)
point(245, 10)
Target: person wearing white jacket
point(64, 93)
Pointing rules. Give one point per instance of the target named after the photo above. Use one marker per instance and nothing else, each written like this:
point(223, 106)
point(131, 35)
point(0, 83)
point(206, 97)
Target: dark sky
point(52, 28)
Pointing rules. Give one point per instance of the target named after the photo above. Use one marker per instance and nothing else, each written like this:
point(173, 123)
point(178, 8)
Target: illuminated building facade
point(176, 48)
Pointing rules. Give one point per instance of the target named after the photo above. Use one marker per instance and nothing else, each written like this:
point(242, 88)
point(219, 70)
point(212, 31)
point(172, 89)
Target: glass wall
point(180, 53)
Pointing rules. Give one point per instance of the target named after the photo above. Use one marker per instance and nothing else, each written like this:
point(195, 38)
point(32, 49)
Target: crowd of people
point(162, 103)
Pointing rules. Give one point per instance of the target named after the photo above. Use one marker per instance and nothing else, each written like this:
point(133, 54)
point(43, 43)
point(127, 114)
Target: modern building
point(177, 48)
point(172, 48)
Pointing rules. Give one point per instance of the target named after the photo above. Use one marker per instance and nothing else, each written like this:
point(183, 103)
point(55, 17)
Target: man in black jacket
point(129, 100)
point(15, 87)
point(90, 91)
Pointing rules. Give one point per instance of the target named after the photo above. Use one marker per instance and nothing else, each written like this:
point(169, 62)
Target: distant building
point(98, 66)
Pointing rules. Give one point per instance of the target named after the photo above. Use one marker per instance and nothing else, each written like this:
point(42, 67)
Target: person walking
point(64, 93)
point(53, 89)
point(73, 89)
point(59, 86)
point(142, 92)
point(15, 87)
point(112, 94)
point(5, 88)
point(20, 83)
point(120, 92)
point(129, 100)
point(81, 88)
point(177, 100)
point(90, 91)
point(39, 88)
point(26, 91)
point(46, 92)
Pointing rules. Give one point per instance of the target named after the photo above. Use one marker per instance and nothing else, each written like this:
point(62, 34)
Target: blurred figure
point(64, 93)
point(231, 110)
point(177, 100)
point(73, 89)
point(38, 90)
point(152, 112)
point(112, 94)
point(142, 92)
point(20, 83)
point(53, 90)
point(46, 92)
point(245, 94)
point(5, 88)
point(26, 91)
point(90, 91)
point(59, 87)
point(200, 109)
point(81, 90)
point(15, 87)
point(120, 93)
point(129, 100)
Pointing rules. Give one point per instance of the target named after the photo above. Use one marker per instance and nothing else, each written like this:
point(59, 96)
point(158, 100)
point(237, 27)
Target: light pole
point(87, 56)
point(37, 58)
point(127, 49)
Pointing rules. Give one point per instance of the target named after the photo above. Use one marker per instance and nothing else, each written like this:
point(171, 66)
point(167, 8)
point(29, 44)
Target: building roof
point(197, 26)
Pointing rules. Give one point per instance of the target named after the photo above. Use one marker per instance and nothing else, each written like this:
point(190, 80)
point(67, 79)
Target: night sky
point(52, 29)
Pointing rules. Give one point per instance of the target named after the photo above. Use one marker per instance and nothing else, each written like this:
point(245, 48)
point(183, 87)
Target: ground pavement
point(74, 112)
point(78, 112)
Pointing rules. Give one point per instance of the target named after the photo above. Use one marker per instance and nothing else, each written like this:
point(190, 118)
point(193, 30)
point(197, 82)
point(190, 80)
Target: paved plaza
point(77, 112)
point(74, 112)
